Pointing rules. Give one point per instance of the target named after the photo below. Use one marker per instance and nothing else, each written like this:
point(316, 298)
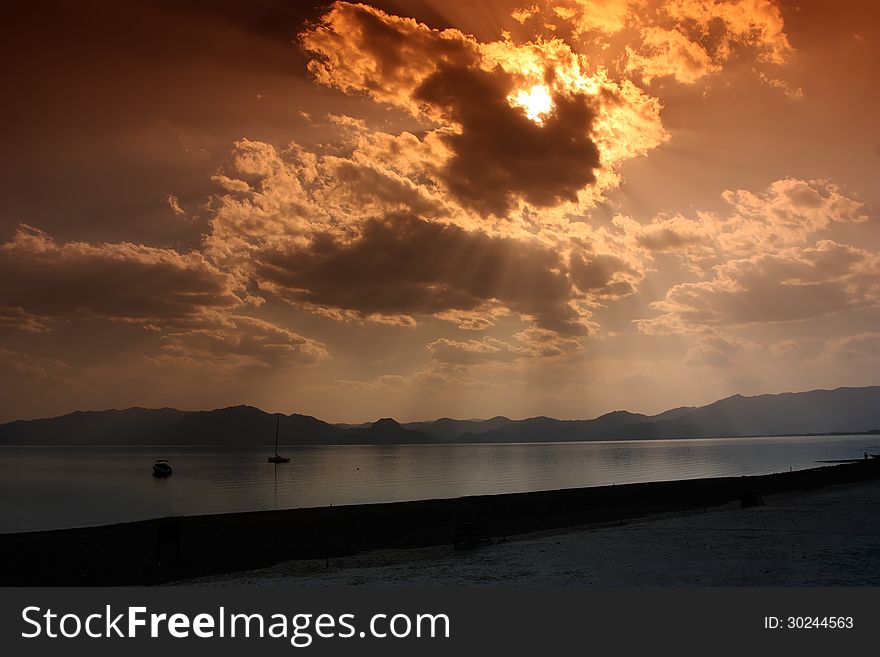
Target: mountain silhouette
point(224, 426)
point(448, 429)
point(844, 410)
point(819, 411)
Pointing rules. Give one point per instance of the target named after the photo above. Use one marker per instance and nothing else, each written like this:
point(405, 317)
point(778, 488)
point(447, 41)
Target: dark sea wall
point(164, 550)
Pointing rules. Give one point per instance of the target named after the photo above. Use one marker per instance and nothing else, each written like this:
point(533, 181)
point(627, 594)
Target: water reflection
point(52, 487)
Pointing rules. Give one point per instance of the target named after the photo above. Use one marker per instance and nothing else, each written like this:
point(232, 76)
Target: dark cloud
point(499, 153)
point(600, 275)
point(42, 279)
point(403, 264)
point(667, 238)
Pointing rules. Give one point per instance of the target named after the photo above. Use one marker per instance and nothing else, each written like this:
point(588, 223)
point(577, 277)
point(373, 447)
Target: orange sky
point(427, 208)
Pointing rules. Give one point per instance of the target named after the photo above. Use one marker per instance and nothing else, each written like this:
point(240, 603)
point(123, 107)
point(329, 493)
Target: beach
point(822, 537)
point(491, 538)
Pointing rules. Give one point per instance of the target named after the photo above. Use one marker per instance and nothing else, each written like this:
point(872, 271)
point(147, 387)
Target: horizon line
point(443, 417)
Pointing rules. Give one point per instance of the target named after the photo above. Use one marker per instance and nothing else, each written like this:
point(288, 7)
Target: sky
point(421, 208)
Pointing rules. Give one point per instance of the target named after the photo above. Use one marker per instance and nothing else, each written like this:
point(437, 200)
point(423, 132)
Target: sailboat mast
point(277, 423)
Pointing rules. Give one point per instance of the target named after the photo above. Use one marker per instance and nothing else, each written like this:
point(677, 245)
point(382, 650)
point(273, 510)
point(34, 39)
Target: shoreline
point(189, 547)
point(808, 538)
point(453, 441)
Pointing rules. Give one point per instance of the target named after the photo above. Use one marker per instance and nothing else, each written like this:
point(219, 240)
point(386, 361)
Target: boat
point(278, 458)
point(162, 468)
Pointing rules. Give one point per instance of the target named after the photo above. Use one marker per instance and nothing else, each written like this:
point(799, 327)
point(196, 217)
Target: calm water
point(52, 487)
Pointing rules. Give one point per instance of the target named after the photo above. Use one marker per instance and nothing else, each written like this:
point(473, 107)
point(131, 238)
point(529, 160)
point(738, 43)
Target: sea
point(54, 487)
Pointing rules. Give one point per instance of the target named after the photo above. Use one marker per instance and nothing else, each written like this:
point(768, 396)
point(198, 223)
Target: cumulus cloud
point(480, 319)
point(669, 53)
point(768, 261)
point(521, 123)
point(789, 285)
point(392, 227)
point(474, 352)
point(292, 194)
point(238, 343)
point(42, 280)
point(507, 127)
point(746, 23)
point(685, 40)
point(402, 265)
point(603, 275)
point(192, 305)
point(499, 153)
point(597, 16)
point(790, 212)
point(691, 239)
point(363, 237)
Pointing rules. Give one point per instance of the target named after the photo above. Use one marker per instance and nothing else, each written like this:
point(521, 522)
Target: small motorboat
point(162, 468)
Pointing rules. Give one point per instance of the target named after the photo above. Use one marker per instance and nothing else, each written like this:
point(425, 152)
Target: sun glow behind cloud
point(536, 101)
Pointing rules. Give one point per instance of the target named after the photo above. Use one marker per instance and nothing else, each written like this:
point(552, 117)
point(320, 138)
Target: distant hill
point(547, 429)
point(130, 426)
point(224, 426)
point(843, 410)
point(385, 432)
point(819, 411)
point(448, 429)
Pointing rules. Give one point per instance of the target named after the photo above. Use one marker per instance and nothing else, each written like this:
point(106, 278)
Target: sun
point(536, 101)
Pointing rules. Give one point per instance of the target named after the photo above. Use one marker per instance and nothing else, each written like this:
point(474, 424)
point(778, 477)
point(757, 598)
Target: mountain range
point(844, 410)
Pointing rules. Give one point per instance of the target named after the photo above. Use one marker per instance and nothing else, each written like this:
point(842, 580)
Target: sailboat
point(278, 459)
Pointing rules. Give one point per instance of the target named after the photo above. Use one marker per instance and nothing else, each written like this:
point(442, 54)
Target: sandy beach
point(818, 526)
point(824, 537)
